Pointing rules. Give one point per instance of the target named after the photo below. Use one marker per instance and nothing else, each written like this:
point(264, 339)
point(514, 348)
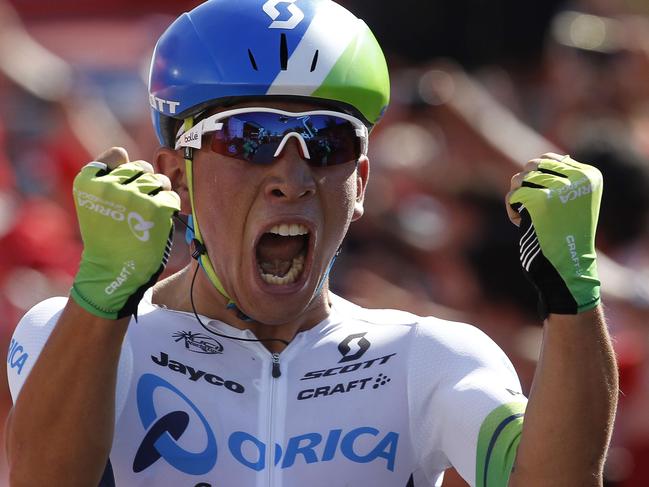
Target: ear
point(362, 176)
point(172, 164)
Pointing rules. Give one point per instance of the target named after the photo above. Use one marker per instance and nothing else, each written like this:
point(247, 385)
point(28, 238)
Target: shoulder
point(455, 347)
point(352, 312)
point(427, 331)
point(42, 317)
point(457, 338)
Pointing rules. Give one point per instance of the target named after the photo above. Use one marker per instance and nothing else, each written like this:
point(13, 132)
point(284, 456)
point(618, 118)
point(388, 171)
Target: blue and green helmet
point(229, 49)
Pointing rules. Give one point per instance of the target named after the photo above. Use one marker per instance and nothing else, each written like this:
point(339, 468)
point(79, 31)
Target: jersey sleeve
point(465, 403)
point(29, 338)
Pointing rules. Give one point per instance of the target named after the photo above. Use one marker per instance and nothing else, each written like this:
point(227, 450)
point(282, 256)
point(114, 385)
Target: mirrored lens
point(255, 137)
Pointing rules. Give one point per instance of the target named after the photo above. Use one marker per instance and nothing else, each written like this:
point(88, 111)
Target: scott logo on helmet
point(160, 104)
point(270, 7)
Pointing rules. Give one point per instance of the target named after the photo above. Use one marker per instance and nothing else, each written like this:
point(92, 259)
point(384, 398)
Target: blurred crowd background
point(478, 88)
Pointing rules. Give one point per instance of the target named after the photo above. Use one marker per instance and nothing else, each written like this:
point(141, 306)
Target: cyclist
point(243, 368)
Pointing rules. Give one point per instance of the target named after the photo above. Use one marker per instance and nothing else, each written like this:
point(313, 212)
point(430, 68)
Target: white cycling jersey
point(377, 398)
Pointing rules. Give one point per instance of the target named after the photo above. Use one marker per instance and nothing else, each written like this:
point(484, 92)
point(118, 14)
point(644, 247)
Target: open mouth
point(281, 253)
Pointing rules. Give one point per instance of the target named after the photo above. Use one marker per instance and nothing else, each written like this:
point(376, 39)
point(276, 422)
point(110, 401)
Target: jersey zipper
point(270, 446)
point(276, 370)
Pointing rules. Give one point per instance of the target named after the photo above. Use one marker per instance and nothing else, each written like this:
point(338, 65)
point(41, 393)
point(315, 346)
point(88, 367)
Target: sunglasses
point(258, 135)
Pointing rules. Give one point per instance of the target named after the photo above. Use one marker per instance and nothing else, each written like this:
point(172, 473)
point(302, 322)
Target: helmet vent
point(252, 60)
point(315, 61)
point(283, 53)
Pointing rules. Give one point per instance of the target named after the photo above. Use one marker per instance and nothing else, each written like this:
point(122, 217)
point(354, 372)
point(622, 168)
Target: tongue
point(277, 268)
point(278, 251)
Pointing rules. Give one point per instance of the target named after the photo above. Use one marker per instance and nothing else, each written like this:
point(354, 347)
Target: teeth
point(291, 276)
point(286, 230)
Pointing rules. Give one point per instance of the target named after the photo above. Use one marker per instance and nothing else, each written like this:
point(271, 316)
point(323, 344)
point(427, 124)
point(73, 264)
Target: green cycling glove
point(559, 206)
point(125, 218)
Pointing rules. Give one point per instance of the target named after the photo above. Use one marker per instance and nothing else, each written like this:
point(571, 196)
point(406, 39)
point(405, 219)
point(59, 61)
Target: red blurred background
point(478, 88)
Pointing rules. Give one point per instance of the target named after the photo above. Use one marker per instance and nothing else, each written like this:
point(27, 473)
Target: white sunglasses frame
point(194, 136)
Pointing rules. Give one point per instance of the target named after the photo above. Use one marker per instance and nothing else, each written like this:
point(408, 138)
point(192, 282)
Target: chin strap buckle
point(199, 249)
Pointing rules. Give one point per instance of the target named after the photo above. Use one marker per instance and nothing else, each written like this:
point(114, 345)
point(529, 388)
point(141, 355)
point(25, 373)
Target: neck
point(174, 293)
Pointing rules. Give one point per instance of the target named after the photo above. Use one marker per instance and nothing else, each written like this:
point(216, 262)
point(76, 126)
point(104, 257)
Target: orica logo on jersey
point(17, 357)
point(139, 226)
point(360, 445)
point(163, 433)
point(270, 7)
point(363, 444)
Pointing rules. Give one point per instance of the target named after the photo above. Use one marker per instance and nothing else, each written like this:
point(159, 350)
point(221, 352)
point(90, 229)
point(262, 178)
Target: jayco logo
point(195, 374)
point(139, 226)
point(270, 7)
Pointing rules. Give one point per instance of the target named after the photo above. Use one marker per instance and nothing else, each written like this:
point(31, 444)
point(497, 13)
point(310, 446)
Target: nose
point(290, 178)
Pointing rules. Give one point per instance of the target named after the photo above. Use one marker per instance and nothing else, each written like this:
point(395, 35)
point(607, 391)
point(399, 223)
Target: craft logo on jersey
point(270, 7)
point(353, 347)
point(199, 343)
point(344, 387)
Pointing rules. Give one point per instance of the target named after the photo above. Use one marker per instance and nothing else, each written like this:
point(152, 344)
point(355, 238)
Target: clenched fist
point(125, 216)
point(555, 201)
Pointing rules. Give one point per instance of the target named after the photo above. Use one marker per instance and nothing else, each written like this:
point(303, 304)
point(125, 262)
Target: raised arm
point(569, 418)
point(572, 404)
point(60, 430)
point(61, 427)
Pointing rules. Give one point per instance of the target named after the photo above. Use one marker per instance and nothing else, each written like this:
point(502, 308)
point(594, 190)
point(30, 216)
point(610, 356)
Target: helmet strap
point(325, 276)
point(200, 254)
